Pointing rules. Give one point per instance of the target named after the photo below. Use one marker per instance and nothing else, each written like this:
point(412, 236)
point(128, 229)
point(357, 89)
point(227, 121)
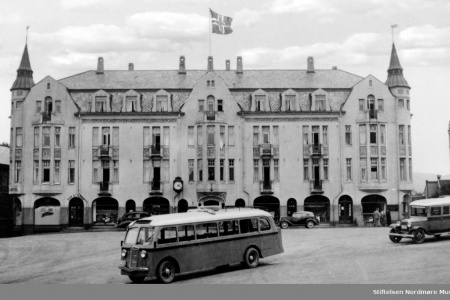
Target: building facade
point(87, 148)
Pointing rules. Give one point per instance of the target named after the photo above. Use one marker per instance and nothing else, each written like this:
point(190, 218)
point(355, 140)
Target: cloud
point(8, 18)
point(80, 4)
point(427, 36)
point(285, 6)
point(246, 18)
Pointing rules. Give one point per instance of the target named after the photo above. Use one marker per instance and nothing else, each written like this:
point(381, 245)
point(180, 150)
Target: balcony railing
point(156, 187)
point(210, 115)
point(46, 116)
point(266, 186)
point(373, 113)
point(155, 150)
point(104, 150)
point(104, 188)
point(316, 149)
point(265, 149)
point(316, 186)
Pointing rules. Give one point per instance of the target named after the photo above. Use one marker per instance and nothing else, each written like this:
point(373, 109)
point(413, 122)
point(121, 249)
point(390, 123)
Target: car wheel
point(394, 239)
point(251, 258)
point(166, 271)
point(419, 236)
point(309, 224)
point(284, 224)
point(136, 279)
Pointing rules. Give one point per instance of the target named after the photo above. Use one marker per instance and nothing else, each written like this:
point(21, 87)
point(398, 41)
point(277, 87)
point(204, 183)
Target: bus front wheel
point(136, 279)
point(166, 271)
point(251, 258)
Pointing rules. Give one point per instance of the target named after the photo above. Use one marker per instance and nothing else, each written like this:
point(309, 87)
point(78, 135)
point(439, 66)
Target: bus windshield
point(139, 236)
point(419, 211)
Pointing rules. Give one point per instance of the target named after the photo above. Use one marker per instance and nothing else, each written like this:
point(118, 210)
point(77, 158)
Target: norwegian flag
point(221, 24)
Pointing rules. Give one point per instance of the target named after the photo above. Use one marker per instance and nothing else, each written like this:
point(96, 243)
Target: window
point(348, 134)
point(36, 172)
point(45, 171)
point(71, 171)
point(276, 137)
point(46, 136)
point(370, 82)
point(115, 177)
point(161, 103)
point(57, 136)
point(349, 168)
point(401, 103)
point(400, 91)
point(221, 175)
point(208, 83)
point(38, 106)
point(115, 136)
point(325, 168)
point(71, 137)
point(219, 105)
point(266, 134)
point(19, 93)
point(18, 137)
point(370, 102)
point(18, 173)
point(230, 135)
point(363, 163)
point(167, 235)
point(264, 224)
point(228, 228)
point(186, 233)
point(402, 169)
point(446, 210)
point(290, 102)
point(201, 105)
point(166, 135)
point(211, 169)
point(106, 136)
point(325, 135)
point(383, 134)
point(255, 135)
point(222, 137)
point(231, 169)
point(206, 230)
point(199, 135)
point(320, 102)
point(305, 169)
point(409, 135)
point(210, 134)
point(19, 104)
point(48, 86)
point(305, 135)
point(362, 134)
point(361, 104)
point(410, 170)
point(373, 168)
point(147, 170)
point(260, 103)
point(56, 174)
point(166, 170)
point(380, 104)
point(100, 104)
point(276, 175)
point(256, 170)
point(191, 169)
point(200, 169)
point(211, 103)
point(373, 134)
point(131, 103)
point(57, 106)
point(401, 134)
point(94, 136)
point(435, 211)
point(190, 136)
point(96, 171)
point(212, 83)
point(383, 169)
point(407, 105)
point(248, 225)
point(147, 141)
point(315, 168)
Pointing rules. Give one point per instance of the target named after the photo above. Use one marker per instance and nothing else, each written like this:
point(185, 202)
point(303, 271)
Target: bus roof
point(203, 216)
point(431, 201)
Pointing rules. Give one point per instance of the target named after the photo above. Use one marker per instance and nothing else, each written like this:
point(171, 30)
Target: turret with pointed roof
point(24, 80)
point(395, 72)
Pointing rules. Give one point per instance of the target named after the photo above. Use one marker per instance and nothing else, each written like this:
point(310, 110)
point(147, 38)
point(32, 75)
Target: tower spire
point(24, 79)
point(395, 71)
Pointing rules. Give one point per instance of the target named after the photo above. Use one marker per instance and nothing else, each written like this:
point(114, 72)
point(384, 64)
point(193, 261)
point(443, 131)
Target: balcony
point(316, 186)
point(316, 149)
point(266, 187)
point(210, 115)
point(155, 150)
point(156, 187)
point(265, 150)
point(104, 151)
point(373, 114)
point(46, 116)
point(104, 189)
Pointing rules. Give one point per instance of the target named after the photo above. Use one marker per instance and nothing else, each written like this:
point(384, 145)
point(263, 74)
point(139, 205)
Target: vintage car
point(131, 216)
point(300, 218)
point(427, 217)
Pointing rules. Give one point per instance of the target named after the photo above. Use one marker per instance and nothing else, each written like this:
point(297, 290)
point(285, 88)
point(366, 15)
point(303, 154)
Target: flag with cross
point(220, 24)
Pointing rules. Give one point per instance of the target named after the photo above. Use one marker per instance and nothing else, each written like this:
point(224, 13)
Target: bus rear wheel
point(166, 271)
point(136, 279)
point(394, 239)
point(251, 258)
point(419, 236)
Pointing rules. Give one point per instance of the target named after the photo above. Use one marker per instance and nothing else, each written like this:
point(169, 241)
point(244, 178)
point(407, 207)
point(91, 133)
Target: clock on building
point(178, 184)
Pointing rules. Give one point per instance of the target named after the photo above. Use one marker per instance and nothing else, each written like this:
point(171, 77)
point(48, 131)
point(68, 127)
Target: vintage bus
point(164, 245)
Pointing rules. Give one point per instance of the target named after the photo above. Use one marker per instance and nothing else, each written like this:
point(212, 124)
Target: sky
point(67, 36)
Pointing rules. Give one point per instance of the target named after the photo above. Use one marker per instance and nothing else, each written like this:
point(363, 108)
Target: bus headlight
point(409, 223)
point(124, 252)
point(399, 223)
point(143, 253)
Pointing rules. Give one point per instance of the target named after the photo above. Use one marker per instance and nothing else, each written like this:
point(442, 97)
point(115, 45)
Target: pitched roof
point(153, 79)
point(25, 62)
point(24, 79)
point(395, 71)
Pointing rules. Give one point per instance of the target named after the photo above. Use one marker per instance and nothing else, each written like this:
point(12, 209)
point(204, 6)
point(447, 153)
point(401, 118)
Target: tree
point(444, 190)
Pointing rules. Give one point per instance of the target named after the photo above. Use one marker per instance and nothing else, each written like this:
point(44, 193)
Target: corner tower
point(24, 80)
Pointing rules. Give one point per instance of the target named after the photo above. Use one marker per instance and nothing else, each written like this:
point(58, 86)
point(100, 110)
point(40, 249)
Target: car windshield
point(418, 211)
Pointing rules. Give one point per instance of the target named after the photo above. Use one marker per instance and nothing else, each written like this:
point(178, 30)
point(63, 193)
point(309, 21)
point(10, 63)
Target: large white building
point(87, 148)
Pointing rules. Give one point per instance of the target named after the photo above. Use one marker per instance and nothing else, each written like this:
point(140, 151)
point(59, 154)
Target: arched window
point(48, 104)
point(370, 102)
point(211, 103)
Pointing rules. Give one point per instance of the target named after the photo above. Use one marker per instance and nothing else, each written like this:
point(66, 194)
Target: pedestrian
point(388, 217)
point(376, 218)
point(382, 218)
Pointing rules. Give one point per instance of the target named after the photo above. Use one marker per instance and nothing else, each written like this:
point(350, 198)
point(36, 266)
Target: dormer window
point(290, 102)
point(131, 103)
point(100, 104)
point(260, 103)
point(161, 103)
point(320, 102)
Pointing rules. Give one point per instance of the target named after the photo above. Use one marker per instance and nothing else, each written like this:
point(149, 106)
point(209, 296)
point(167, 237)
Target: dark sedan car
point(129, 217)
point(300, 218)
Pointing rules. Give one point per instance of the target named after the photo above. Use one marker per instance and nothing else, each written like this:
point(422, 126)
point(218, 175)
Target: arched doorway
point(17, 212)
point(272, 204)
point(369, 204)
point(239, 203)
point(320, 206)
point(156, 206)
point(345, 210)
point(105, 211)
point(182, 206)
point(76, 212)
point(291, 206)
point(130, 205)
point(47, 214)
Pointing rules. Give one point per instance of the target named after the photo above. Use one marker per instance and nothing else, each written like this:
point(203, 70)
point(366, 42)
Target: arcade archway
point(47, 214)
point(182, 206)
point(105, 211)
point(156, 205)
point(239, 203)
point(130, 205)
point(370, 203)
point(270, 203)
point(320, 206)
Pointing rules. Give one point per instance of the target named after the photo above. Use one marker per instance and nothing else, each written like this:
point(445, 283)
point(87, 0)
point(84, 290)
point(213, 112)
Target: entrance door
point(266, 174)
point(345, 211)
point(76, 212)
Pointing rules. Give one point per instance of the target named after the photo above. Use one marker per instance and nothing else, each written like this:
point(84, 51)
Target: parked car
point(300, 218)
point(427, 217)
point(131, 216)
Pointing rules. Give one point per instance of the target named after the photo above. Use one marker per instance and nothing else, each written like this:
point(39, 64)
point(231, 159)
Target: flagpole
point(210, 29)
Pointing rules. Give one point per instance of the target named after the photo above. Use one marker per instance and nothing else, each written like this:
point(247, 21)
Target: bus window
point(435, 211)
point(131, 237)
point(248, 225)
point(228, 228)
point(446, 210)
point(264, 224)
point(167, 235)
point(141, 237)
point(186, 233)
point(206, 230)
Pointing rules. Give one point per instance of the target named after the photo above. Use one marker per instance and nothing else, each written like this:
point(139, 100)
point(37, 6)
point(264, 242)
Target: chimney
point(130, 67)
point(334, 67)
point(310, 64)
point(239, 69)
point(227, 65)
point(100, 69)
point(210, 64)
point(182, 68)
